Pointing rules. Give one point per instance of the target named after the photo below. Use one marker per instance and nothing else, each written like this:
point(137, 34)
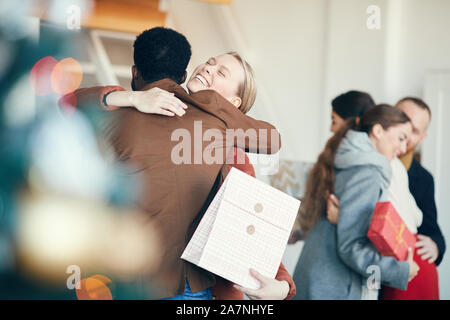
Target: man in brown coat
point(180, 161)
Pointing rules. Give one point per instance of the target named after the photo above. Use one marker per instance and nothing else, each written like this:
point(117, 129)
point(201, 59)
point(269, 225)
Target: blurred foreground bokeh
point(67, 227)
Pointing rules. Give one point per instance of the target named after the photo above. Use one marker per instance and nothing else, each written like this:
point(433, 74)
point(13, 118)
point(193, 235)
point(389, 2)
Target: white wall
point(424, 43)
point(305, 52)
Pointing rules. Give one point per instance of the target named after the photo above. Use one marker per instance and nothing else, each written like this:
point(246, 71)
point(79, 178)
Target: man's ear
point(134, 72)
point(423, 137)
point(183, 78)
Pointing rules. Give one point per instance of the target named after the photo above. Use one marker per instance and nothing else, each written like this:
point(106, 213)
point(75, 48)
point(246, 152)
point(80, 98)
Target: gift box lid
point(261, 201)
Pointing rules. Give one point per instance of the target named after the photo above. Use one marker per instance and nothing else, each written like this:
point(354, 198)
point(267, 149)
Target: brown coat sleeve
point(252, 135)
point(283, 274)
point(92, 96)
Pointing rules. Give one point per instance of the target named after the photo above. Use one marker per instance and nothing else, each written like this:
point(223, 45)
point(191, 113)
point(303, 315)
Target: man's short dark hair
point(161, 53)
point(417, 101)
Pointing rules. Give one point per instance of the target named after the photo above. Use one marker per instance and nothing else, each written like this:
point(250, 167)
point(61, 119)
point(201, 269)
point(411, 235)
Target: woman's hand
point(413, 267)
point(154, 100)
point(333, 209)
point(157, 101)
point(270, 289)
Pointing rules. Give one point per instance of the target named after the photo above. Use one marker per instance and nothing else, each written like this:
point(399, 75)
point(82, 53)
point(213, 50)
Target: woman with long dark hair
point(337, 259)
point(351, 104)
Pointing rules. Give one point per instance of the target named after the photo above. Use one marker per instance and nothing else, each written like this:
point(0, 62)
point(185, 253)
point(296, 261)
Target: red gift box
point(388, 232)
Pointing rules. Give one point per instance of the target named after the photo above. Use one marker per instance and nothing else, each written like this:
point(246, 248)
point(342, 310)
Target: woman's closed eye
point(403, 138)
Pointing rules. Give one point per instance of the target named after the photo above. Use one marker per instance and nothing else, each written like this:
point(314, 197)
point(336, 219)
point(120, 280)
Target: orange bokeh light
point(66, 76)
point(94, 288)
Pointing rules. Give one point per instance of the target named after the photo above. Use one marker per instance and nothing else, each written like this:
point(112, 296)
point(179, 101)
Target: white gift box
point(247, 225)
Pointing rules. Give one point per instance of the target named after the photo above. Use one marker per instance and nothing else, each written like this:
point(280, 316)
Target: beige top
point(401, 197)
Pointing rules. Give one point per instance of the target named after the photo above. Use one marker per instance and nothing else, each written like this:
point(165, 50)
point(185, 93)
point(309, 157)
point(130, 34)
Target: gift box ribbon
point(398, 238)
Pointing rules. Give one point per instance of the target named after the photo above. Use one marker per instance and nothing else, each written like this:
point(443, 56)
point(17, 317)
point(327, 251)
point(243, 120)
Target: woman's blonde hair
point(247, 89)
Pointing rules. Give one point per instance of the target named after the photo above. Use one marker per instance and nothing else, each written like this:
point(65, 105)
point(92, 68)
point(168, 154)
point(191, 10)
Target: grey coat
point(335, 260)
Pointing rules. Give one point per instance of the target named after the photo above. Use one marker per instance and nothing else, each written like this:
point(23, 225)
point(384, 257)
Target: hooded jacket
point(338, 260)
